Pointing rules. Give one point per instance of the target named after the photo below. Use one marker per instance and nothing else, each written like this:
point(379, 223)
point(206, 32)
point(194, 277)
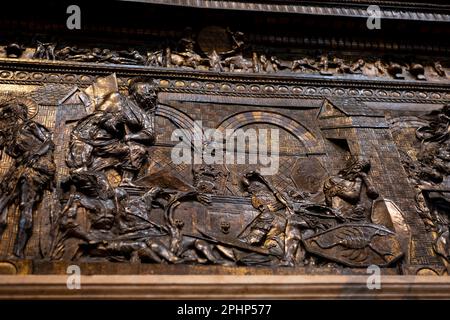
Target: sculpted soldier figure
point(29, 144)
point(268, 228)
point(119, 226)
point(116, 134)
point(92, 192)
point(279, 226)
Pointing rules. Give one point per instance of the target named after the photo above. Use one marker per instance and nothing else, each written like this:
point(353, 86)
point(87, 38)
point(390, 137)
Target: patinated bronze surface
point(86, 137)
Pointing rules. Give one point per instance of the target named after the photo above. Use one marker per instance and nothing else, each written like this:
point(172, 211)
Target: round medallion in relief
point(269, 89)
point(210, 86)
point(311, 90)
point(325, 91)
point(283, 89)
point(5, 74)
point(339, 92)
point(70, 78)
point(85, 78)
point(214, 38)
point(164, 83)
point(38, 76)
point(225, 87)
point(21, 75)
point(297, 90)
point(422, 95)
point(436, 96)
point(53, 77)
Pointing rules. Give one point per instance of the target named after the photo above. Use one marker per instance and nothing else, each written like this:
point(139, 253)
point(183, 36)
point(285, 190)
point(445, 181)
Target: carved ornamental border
point(178, 80)
point(349, 8)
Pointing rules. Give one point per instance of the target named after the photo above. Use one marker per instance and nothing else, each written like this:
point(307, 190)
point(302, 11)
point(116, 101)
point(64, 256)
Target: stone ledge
point(223, 287)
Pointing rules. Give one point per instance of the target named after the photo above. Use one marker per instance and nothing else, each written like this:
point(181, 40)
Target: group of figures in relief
point(288, 229)
point(239, 58)
point(429, 171)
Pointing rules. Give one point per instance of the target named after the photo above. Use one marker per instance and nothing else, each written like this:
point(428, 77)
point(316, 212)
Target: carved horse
point(238, 62)
point(215, 63)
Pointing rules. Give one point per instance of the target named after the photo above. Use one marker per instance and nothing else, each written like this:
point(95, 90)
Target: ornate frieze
point(215, 153)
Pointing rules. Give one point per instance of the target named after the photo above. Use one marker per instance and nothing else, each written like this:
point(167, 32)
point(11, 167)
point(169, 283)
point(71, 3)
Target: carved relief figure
point(155, 218)
point(395, 70)
point(82, 55)
point(417, 70)
point(429, 172)
point(344, 190)
point(236, 59)
point(30, 145)
point(434, 155)
point(288, 227)
point(303, 65)
point(268, 228)
point(14, 50)
point(238, 62)
point(215, 63)
point(45, 50)
point(355, 67)
point(439, 69)
point(323, 65)
point(115, 135)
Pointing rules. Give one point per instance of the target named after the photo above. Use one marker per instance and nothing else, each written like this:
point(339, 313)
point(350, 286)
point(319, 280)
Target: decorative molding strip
point(320, 93)
point(11, 64)
point(224, 287)
point(359, 11)
point(177, 80)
